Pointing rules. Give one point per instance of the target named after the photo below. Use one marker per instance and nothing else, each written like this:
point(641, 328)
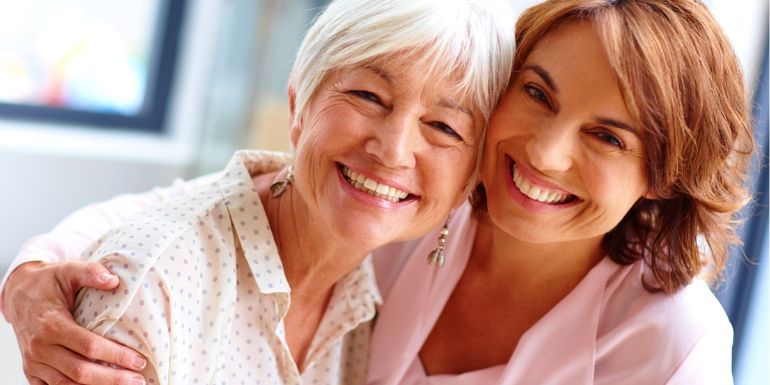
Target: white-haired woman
point(262, 274)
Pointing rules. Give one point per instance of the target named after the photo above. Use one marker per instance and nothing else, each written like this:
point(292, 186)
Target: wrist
point(20, 274)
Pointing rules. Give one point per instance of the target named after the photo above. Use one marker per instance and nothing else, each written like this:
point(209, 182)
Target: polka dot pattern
point(203, 294)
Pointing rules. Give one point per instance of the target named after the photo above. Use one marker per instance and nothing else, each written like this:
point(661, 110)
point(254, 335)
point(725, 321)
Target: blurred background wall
point(223, 65)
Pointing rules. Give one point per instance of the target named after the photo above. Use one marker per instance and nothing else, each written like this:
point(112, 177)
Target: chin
point(366, 233)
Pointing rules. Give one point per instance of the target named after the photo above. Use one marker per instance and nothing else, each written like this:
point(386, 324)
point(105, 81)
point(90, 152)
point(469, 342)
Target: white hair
point(472, 40)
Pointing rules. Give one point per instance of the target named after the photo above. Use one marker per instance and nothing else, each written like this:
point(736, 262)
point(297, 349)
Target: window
point(91, 62)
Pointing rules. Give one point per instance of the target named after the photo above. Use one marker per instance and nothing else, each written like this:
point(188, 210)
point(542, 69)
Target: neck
point(313, 258)
point(533, 265)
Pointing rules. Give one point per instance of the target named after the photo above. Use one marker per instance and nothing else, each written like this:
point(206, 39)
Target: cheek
point(460, 175)
point(488, 172)
point(317, 143)
point(511, 125)
point(492, 146)
point(307, 160)
point(446, 174)
point(617, 188)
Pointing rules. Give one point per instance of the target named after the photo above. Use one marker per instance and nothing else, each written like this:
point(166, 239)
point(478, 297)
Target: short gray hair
point(469, 39)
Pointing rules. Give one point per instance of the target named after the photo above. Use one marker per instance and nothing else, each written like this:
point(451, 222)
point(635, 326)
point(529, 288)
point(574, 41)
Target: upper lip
point(379, 179)
point(528, 173)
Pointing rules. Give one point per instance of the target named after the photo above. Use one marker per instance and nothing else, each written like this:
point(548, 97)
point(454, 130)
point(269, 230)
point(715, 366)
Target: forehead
point(575, 58)
point(572, 48)
point(415, 66)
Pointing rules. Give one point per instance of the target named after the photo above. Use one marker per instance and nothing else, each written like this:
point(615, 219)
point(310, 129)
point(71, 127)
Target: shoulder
point(162, 244)
point(149, 233)
point(654, 333)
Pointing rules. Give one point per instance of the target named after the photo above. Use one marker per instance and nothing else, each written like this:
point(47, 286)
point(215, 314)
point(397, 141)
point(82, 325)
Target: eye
point(537, 94)
point(446, 129)
point(610, 139)
point(366, 95)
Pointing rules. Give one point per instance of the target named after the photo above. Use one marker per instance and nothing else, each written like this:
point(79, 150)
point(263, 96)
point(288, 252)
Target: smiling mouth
point(539, 193)
point(372, 187)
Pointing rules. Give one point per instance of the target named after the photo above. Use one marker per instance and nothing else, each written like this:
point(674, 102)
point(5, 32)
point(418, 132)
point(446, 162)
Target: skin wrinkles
point(462, 123)
point(447, 103)
point(390, 131)
point(374, 120)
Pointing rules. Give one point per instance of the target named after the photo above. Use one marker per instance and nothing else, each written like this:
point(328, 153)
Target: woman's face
point(383, 153)
point(564, 158)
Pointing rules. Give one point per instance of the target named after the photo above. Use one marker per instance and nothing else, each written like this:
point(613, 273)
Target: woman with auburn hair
point(613, 170)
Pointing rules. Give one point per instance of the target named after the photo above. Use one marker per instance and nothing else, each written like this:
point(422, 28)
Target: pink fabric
point(76, 232)
point(416, 375)
point(608, 330)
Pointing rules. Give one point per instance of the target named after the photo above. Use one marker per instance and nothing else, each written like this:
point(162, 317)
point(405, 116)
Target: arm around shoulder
point(68, 240)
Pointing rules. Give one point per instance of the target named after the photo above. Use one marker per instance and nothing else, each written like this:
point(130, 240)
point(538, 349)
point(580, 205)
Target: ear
point(294, 127)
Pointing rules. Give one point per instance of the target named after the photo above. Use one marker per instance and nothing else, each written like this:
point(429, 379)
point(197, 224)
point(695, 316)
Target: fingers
point(77, 274)
point(98, 348)
point(79, 370)
point(39, 374)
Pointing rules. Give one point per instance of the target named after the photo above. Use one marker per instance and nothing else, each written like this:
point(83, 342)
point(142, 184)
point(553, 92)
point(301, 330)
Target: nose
point(393, 143)
point(551, 149)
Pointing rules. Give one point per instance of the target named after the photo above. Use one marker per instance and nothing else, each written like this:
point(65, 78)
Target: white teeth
point(382, 189)
point(371, 186)
point(537, 193)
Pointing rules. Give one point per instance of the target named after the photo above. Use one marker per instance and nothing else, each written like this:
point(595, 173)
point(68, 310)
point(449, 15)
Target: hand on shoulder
point(38, 298)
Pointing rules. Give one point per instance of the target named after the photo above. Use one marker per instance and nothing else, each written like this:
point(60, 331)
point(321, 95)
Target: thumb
point(78, 274)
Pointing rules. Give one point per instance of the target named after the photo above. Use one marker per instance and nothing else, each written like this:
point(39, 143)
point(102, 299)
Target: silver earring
point(437, 255)
point(279, 187)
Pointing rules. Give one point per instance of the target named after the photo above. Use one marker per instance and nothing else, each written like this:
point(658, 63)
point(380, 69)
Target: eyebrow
point(543, 74)
point(616, 123)
point(600, 119)
point(385, 75)
point(455, 106)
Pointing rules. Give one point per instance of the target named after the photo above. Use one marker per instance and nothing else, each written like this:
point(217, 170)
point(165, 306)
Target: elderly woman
point(262, 274)
point(578, 263)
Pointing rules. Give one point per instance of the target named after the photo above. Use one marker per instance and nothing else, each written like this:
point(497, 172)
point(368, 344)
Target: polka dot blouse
point(203, 294)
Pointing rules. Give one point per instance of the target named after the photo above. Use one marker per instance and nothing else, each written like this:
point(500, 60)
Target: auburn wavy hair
point(681, 80)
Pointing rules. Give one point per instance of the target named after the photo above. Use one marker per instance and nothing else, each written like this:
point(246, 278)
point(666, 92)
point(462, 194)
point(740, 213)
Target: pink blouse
point(608, 330)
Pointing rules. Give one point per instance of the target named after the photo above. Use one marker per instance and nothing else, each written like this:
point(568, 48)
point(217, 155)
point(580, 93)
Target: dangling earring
point(437, 255)
point(280, 186)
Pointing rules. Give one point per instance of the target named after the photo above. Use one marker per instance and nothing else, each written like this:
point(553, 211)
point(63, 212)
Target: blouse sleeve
point(75, 233)
point(135, 315)
point(708, 362)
